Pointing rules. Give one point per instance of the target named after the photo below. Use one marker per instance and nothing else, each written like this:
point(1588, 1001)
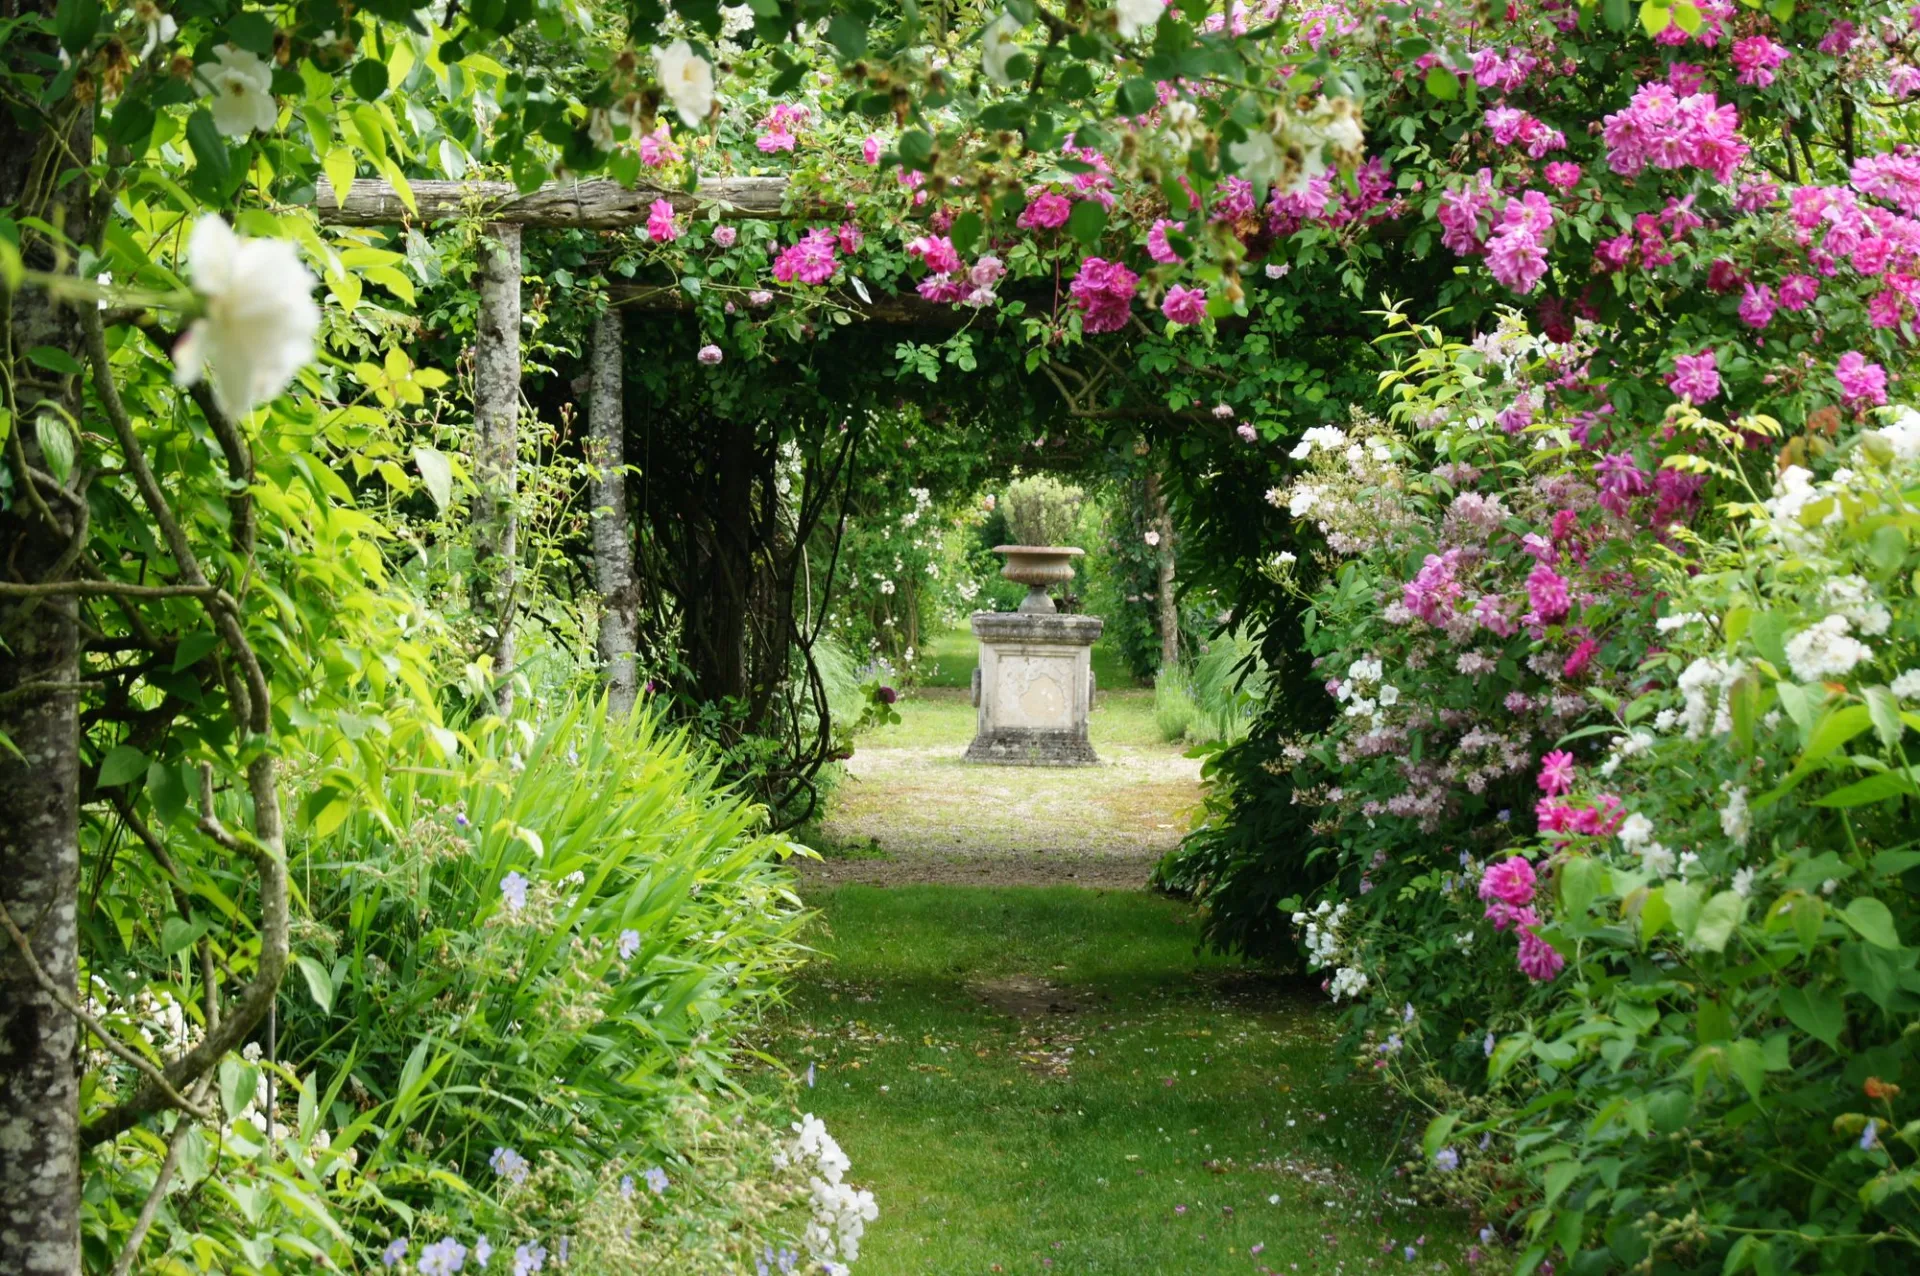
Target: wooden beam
point(904, 309)
point(594, 205)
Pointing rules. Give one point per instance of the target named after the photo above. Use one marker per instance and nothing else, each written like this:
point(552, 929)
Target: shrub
point(1174, 710)
point(1041, 510)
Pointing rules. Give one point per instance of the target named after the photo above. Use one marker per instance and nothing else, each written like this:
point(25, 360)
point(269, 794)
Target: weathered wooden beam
point(905, 309)
point(593, 205)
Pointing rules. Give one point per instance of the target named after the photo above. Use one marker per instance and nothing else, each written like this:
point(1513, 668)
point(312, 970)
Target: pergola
point(591, 205)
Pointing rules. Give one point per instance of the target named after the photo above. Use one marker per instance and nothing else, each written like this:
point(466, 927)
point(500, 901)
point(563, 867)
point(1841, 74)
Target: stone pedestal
point(1034, 688)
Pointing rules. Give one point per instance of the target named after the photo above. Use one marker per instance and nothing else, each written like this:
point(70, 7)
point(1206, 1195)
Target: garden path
point(1036, 1065)
point(910, 810)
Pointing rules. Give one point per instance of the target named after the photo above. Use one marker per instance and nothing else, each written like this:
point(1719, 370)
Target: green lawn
point(1059, 1080)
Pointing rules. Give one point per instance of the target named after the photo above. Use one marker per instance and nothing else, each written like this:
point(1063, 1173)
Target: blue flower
point(656, 1179)
point(483, 1251)
point(1446, 1159)
point(509, 1164)
point(629, 944)
point(443, 1258)
point(513, 890)
point(529, 1258)
point(1870, 1137)
point(395, 1252)
point(626, 1187)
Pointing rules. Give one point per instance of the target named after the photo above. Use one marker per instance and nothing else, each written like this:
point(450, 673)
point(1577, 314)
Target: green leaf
point(166, 792)
point(193, 647)
point(848, 34)
point(437, 473)
point(76, 21)
point(319, 983)
point(209, 148)
point(1560, 1176)
point(1718, 920)
point(1437, 1131)
point(56, 443)
point(1136, 96)
point(1769, 630)
point(965, 232)
point(340, 169)
point(1819, 1016)
point(1655, 18)
point(238, 1081)
point(1749, 1064)
point(1875, 788)
point(1581, 880)
point(1086, 222)
point(1885, 712)
point(177, 934)
point(369, 78)
point(122, 763)
point(1872, 921)
point(1442, 83)
point(56, 360)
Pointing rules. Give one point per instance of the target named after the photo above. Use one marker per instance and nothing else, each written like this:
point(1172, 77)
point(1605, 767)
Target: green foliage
point(1174, 710)
point(1043, 510)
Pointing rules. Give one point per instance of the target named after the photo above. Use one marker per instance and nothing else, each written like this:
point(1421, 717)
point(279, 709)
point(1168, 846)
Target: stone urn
point(1033, 686)
point(1038, 567)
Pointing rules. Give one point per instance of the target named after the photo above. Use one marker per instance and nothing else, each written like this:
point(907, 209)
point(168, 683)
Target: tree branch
point(61, 998)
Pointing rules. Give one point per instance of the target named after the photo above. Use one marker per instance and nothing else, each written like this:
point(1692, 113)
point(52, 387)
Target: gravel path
point(910, 810)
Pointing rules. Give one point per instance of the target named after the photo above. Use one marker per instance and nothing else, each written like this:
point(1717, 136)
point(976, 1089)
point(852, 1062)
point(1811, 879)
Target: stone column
point(1034, 689)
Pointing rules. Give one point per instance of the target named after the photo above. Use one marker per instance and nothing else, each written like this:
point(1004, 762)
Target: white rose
point(1259, 159)
point(242, 87)
point(1137, 16)
point(687, 80)
point(259, 320)
point(997, 48)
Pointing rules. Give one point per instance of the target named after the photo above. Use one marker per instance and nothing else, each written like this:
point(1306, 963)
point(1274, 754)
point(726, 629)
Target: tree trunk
point(39, 666)
point(496, 419)
point(1162, 522)
point(612, 534)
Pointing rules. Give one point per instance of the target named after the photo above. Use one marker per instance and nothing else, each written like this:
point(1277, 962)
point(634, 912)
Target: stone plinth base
point(1034, 689)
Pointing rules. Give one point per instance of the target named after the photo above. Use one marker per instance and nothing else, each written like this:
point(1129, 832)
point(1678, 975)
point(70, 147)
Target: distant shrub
point(1041, 510)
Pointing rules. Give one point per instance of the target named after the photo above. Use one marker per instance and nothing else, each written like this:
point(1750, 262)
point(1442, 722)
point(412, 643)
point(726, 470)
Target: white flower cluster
point(1826, 650)
point(1365, 695)
point(1704, 688)
point(1293, 149)
point(840, 1212)
point(1324, 948)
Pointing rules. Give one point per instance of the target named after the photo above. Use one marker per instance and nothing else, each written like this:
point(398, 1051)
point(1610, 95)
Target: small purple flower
point(509, 1164)
point(886, 695)
point(656, 1180)
point(483, 1251)
point(529, 1258)
point(443, 1258)
point(725, 235)
point(1246, 432)
point(1410, 1253)
point(566, 1244)
point(513, 891)
point(394, 1253)
point(629, 944)
point(1870, 1137)
point(1487, 1046)
point(1446, 1159)
point(709, 354)
point(460, 818)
